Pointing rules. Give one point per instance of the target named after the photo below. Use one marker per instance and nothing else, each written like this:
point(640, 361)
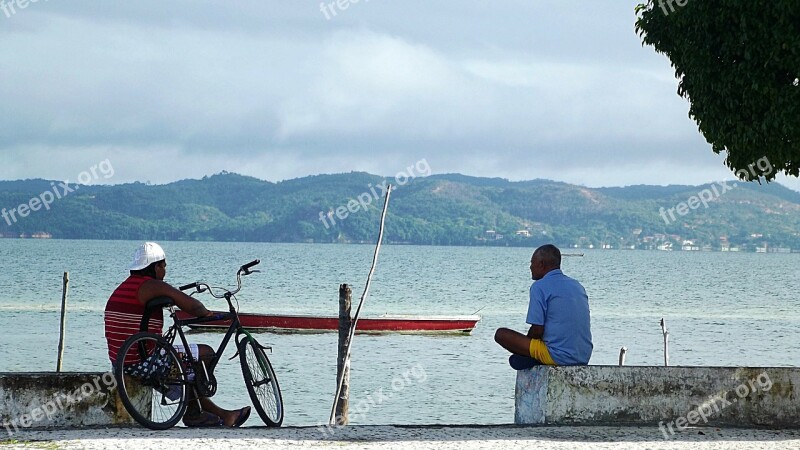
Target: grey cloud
point(272, 89)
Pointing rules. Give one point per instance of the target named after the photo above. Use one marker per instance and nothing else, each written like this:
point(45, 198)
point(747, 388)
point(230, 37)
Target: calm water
point(721, 309)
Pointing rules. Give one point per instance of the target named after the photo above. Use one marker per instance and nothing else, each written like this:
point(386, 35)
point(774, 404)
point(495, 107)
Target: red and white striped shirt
point(124, 313)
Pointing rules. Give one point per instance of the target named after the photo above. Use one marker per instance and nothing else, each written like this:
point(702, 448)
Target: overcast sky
point(166, 90)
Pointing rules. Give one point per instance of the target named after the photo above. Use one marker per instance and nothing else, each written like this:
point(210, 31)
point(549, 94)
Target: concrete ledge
point(59, 400)
point(665, 396)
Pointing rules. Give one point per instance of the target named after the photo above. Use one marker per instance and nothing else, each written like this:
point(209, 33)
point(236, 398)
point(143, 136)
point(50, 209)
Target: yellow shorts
point(539, 352)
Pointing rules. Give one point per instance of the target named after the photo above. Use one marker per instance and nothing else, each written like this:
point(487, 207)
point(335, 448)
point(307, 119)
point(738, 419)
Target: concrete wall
point(665, 396)
point(67, 399)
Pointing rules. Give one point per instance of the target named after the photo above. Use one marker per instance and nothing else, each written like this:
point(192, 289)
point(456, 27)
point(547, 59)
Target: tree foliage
point(439, 210)
point(738, 62)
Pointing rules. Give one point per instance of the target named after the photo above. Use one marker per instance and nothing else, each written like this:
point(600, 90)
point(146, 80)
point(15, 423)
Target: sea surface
point(722, 309)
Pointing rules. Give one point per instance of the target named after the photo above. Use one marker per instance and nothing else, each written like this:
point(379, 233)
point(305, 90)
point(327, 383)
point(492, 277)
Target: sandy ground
point(410, 437)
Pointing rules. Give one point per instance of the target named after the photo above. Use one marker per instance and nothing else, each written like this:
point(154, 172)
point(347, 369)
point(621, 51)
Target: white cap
point(147, 254)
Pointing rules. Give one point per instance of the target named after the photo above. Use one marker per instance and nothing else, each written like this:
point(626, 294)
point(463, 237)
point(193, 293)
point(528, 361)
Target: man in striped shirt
point(123, 316)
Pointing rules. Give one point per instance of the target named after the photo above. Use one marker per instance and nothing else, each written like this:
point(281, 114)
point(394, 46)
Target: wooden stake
point(622, 353)
point(666, 341)
point(342, 363)
point(354, 322)
point(64, 291)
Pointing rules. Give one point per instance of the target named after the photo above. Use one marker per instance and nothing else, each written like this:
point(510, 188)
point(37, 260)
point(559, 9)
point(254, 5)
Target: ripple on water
point(717, 307)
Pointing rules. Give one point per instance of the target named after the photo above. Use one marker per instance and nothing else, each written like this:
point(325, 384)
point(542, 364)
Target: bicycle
point(155, 382)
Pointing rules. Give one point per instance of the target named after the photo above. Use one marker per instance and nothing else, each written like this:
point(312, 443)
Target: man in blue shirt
point(558, 314)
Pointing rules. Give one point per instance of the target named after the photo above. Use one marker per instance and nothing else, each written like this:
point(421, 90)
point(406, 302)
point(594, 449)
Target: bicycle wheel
point(150, 381)
point(262, 385)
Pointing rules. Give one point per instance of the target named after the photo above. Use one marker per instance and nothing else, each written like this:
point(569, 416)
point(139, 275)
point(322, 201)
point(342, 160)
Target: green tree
point(738, 62)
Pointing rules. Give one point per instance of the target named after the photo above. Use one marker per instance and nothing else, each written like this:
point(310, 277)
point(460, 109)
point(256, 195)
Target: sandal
point(203, 420)
point(244, 414)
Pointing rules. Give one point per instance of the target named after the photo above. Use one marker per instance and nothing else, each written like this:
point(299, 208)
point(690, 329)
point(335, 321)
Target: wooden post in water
point(622, 352)
point(666, 342)
point(64, 291)
point(342, 364)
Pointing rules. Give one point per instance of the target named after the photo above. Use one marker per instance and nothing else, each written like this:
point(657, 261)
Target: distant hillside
point(449, 209)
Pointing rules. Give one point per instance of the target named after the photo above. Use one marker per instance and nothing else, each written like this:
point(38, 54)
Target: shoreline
point(422, 437)
point(742, 248)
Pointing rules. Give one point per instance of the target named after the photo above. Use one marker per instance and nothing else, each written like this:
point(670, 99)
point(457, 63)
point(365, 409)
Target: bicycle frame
point(234, 328)
point(232, 315)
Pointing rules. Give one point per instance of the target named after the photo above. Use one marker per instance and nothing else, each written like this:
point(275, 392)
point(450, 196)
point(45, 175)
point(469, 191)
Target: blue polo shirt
point(561, 305)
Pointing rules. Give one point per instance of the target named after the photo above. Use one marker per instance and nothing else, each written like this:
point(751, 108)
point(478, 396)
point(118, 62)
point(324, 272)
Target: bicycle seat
point(153, 305)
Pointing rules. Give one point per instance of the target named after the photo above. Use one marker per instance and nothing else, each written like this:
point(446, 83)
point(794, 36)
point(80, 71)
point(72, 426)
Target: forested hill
point(447, 209)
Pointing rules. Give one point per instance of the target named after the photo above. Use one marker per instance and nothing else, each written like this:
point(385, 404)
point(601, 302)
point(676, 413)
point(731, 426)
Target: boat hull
point(372, 325)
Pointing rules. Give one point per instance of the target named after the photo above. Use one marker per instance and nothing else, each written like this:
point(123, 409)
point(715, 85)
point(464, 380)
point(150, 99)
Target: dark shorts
point(519, 362)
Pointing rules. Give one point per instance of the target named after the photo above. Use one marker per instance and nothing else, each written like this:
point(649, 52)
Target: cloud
point(371, 83)
point(182, 89)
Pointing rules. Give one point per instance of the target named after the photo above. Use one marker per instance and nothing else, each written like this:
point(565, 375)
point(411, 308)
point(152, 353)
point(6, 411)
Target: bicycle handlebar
point(245, 269)
point(186, 287)
point(200, 286)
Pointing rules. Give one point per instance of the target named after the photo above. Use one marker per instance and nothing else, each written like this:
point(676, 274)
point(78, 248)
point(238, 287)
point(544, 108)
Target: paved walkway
point(406, 437)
